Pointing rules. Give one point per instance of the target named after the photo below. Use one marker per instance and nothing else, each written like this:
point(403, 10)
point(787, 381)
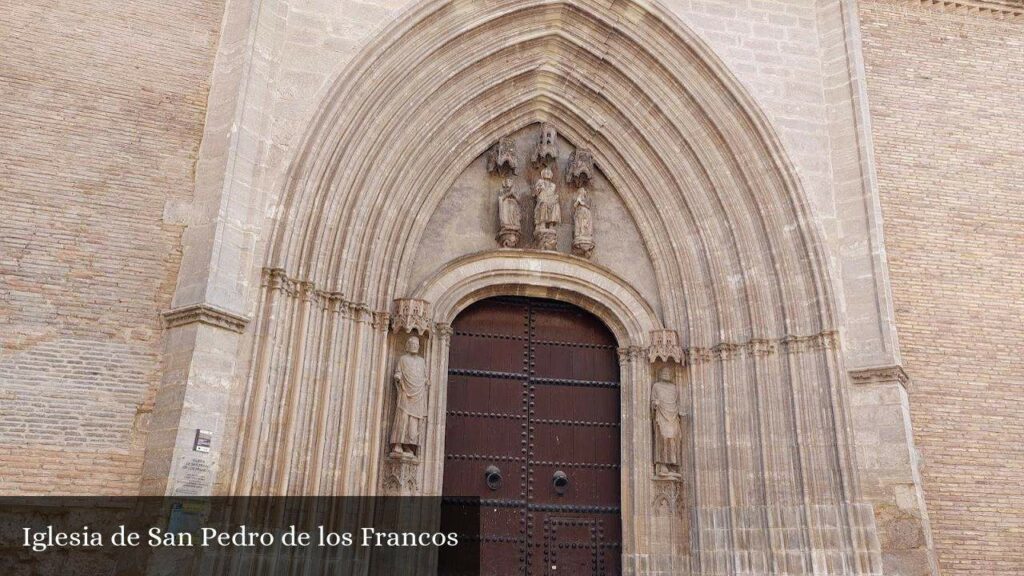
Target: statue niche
point(411, 406)
point(547, 214)
point(666, 410)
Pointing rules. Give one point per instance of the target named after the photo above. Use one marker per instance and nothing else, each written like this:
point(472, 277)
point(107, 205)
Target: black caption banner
point(392, 536)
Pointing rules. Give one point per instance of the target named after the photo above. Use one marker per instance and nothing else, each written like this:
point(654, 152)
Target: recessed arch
point(737, 254)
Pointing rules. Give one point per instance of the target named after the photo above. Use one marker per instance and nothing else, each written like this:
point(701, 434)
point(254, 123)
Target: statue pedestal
point(508, 238)
point(583, 248)
point(401, 476)
point(546, 238)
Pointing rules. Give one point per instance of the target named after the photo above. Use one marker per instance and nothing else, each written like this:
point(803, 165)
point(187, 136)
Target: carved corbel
point(411, 315)
point(665, 347)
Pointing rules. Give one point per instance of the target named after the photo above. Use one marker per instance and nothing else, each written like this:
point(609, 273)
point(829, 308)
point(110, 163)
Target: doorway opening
point(533, 430)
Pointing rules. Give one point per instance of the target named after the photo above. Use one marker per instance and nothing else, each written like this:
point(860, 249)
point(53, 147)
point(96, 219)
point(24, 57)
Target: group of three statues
point(411, 378)
point(547, 215)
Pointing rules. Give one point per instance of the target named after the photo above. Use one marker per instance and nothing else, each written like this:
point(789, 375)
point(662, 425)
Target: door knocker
point(561, 482)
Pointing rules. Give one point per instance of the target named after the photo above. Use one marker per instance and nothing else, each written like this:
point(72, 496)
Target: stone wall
point(945, 88)
point(100, 122)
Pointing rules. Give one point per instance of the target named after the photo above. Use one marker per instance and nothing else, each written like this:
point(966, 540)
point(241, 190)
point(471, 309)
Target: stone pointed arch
point(738, 258)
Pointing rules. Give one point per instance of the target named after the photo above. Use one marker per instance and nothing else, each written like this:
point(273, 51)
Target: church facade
point(683, 287)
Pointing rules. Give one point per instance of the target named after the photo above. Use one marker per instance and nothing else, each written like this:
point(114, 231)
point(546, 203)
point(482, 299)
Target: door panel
point(533, 394)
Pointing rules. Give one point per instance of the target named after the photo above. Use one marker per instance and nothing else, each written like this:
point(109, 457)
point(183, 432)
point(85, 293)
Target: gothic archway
point(736, 255)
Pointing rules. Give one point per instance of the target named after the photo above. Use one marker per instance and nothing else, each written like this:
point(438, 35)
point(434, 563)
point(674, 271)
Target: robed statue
point(582, 225)
point(667, 429)
point(411, 407)
point(509, 215)
point(546, 213)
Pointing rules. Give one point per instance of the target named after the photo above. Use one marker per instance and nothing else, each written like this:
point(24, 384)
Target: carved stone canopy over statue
point(581, 168)
point(666, 409)
point(411, 406)
point(582, 225)
point(502, 159)
point(547, 148)
point(509, 215)
point(547, 214)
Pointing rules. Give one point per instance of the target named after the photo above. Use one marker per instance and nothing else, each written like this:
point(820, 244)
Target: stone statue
point(411, 408)
point(667, 429)
point(582, 226)
point(546, 214)
point(509, 216)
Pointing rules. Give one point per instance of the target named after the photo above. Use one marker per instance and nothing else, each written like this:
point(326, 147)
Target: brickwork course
point(100, 123)
point(946, 91)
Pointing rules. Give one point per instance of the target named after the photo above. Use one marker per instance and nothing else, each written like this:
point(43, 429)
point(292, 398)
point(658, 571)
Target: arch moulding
point(737, 256)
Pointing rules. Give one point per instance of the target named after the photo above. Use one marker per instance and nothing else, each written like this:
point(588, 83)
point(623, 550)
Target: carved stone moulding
point(581, 168)
point(502, 159)
point(665, 347)
point(411, 315)
point(547, 148)
point(205, 314)
point(881, 375)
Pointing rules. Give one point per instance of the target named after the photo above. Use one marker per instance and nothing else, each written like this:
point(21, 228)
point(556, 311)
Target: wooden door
point(532, 429)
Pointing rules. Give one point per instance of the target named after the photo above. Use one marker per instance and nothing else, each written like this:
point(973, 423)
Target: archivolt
point(719, 209)
point(739, 264)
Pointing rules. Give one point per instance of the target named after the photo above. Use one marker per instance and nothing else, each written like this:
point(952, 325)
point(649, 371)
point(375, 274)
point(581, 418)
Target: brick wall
point(946, 91)
point(100, 120)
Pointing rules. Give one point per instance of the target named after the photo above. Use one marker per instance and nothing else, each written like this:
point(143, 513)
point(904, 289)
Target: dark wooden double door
point(533, 431)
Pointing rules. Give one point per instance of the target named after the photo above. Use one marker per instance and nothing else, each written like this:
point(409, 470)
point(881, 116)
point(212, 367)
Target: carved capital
point(822, 341)
point(727, 350)
point(630, 354)
point(380, 321)
point(443, 331)
point(665, 347)
point(277, 280)
point(760, 347)
point(411, 315)
point(205, 314)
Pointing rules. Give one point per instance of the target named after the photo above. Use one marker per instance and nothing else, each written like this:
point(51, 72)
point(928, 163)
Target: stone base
point(546, 239)
point(508, 238)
